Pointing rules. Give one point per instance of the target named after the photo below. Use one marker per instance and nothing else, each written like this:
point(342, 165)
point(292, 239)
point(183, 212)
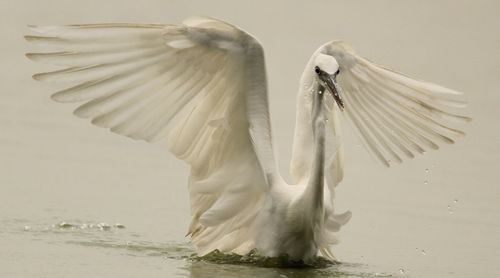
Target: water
point(95, 242)
point(60, 177)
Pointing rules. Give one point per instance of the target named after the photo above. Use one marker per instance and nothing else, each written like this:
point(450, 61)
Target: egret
point(201, 86)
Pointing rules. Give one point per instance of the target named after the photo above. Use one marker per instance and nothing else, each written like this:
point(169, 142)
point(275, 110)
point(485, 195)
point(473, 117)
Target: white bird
point(201, 85)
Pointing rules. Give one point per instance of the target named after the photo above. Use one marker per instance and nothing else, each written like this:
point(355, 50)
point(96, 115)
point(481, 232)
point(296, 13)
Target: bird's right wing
point(201, 85)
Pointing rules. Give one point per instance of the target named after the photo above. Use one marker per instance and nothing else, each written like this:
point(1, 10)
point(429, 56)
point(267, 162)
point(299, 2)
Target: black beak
point(333, 88)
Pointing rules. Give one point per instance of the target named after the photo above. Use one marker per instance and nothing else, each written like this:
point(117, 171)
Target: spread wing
point(395, 115)
point(200, 85)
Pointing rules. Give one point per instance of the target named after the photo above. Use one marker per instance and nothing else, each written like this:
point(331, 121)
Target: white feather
point(395, 115)
point(202, 87)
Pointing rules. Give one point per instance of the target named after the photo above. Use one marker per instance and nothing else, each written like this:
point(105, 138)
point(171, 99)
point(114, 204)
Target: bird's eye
point(316, 69)
point(337, 72)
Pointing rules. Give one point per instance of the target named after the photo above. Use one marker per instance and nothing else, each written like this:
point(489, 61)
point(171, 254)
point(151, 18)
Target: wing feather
point(396, 115)
point(201, 85)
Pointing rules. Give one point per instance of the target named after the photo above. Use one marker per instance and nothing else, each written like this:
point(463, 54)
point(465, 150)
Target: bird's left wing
point(201, 84)
point(396, 116)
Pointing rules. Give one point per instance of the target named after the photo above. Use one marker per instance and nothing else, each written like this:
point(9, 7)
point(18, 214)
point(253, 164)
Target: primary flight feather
point(201, 86)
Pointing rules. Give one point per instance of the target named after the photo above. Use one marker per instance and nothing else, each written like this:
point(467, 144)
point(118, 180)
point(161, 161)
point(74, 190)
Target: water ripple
point(101, 235)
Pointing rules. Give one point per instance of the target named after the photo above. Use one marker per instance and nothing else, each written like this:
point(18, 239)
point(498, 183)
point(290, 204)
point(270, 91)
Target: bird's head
point(326, 69)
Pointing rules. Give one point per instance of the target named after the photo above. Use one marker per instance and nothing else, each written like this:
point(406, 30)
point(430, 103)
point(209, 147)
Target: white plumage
point(202, 87)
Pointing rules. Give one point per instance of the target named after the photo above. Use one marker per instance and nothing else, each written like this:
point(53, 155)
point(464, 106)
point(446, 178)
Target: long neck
point(302, 155)
point(313, 194)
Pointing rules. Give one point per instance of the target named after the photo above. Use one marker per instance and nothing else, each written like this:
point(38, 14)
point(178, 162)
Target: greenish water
point(117, 240)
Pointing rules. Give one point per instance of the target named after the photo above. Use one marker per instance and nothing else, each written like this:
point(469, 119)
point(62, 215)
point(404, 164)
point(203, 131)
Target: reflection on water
point(209, 269)
point(117, 239)
point(254, 259)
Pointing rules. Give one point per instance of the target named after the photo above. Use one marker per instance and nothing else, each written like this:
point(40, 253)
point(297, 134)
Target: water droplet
point(65, 225)
point(104, 226)
point(455, 201)
point(320, 92)
point(450, 211)
point(402, 271)
point(423, 252)
point(427, 170)
point(27, 228)
point(119, 226)
point(426, 182)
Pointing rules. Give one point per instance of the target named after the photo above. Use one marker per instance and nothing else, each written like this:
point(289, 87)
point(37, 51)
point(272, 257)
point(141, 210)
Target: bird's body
point(202, 86)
